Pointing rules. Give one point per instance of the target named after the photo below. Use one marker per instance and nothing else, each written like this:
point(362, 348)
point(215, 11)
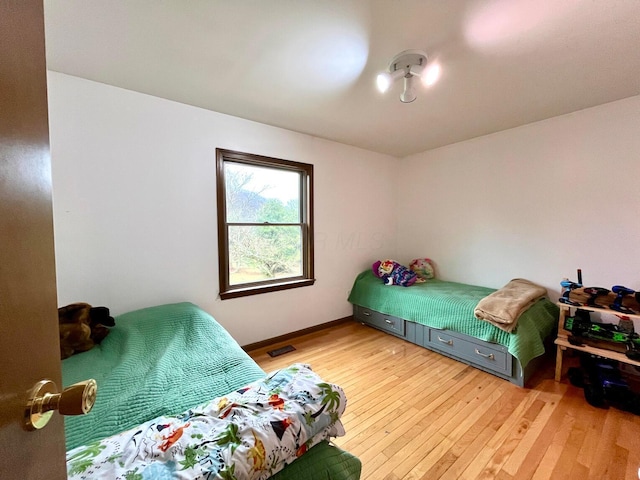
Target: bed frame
point(489, 357)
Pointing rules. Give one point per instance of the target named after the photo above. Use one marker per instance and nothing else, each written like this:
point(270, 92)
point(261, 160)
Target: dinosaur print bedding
point(251, 434)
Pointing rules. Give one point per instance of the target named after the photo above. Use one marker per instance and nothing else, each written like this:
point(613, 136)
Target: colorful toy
point(622, 299)
point(596, 294)
point(567, 286)
point(393, 273)
point(423, 267)
point(619, 298)
point(607, 336)
point(628, 296)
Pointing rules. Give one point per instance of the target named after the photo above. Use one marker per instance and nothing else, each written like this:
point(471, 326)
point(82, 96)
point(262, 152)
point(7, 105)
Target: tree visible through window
point(265, 230)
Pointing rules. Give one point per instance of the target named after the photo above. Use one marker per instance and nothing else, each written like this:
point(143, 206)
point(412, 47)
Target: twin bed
point(178, 398)
point(439, 315)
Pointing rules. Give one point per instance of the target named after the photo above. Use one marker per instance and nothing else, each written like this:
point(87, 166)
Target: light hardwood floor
point(414, 414)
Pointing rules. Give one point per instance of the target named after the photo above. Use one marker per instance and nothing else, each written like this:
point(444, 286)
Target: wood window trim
point(228, 291)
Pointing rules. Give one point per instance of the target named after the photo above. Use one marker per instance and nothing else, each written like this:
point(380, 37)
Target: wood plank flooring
point(414, 414)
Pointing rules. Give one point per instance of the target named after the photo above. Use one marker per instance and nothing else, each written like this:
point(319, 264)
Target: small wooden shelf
point(567, 307)
point(562, 340)
point(611, 354)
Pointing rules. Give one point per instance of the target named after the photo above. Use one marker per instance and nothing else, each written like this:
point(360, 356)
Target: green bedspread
point(164, 360)
point(450, 305)
point(157, 361)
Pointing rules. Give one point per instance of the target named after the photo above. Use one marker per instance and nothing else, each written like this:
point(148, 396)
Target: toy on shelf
point(600, 335)
point(625, 324)
point(619, 298)
point(567, 286)
point(582, 331)
point(625, 300)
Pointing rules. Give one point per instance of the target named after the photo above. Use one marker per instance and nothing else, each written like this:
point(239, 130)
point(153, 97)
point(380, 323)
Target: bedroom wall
point(538, 202)
point(135, 208)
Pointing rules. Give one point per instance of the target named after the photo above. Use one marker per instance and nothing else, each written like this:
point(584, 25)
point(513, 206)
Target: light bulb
point(431, 74)
point(383, 81)
point(409, 93)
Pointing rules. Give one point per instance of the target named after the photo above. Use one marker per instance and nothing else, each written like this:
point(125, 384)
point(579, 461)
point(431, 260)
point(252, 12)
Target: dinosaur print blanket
point(250, 434)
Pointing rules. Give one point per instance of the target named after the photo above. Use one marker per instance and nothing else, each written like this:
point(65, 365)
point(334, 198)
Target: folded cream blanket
point(503, 307)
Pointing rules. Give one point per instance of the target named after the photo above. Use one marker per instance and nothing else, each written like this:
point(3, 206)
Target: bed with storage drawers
point(439, 315)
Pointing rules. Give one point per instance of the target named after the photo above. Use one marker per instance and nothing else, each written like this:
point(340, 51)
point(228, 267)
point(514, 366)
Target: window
point(265, 224)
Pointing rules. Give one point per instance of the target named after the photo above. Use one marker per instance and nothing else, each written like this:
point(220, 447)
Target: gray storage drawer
point(416, 333)
point(388, 323)
point(492, 356)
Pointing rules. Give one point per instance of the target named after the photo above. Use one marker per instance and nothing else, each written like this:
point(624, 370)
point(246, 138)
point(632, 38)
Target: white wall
point(135, 212)
point(135, 208)
point(538, 202)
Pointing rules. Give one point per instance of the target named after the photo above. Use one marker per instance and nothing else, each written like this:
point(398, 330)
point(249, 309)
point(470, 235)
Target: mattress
point(450, 305)
point(161, 361)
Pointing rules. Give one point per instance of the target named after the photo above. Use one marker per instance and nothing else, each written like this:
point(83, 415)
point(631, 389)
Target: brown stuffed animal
point(82, 327)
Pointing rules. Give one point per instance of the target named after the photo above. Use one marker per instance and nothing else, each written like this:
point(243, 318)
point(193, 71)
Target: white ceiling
point(310, 66)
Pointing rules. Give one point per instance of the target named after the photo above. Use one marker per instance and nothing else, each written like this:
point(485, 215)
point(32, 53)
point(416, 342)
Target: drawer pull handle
point(388, 321)
point(448, 342)
point(489, 356)
point(366, 314)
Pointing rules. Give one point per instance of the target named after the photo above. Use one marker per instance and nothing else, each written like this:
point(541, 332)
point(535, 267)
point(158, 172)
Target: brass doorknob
point(44, 399)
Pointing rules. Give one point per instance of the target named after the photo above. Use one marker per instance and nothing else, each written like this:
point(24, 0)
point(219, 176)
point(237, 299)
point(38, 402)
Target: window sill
point(245, 291)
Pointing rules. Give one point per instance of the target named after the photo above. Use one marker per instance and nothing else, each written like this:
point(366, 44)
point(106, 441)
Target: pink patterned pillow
point(423, 267)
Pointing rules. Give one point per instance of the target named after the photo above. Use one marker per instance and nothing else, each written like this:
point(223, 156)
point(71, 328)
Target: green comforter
point(157, 361)
point(450, 305)
point(163, 360)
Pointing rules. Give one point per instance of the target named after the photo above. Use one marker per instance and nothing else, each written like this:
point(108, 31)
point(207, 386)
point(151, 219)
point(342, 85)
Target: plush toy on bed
point(423, 267)
point(392, 273)
point(82, 327)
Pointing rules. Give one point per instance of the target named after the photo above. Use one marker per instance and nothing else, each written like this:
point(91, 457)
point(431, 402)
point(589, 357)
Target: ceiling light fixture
point(407, 65)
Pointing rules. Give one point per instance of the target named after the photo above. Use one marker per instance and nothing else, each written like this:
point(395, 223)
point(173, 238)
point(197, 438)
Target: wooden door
point(29, 348)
